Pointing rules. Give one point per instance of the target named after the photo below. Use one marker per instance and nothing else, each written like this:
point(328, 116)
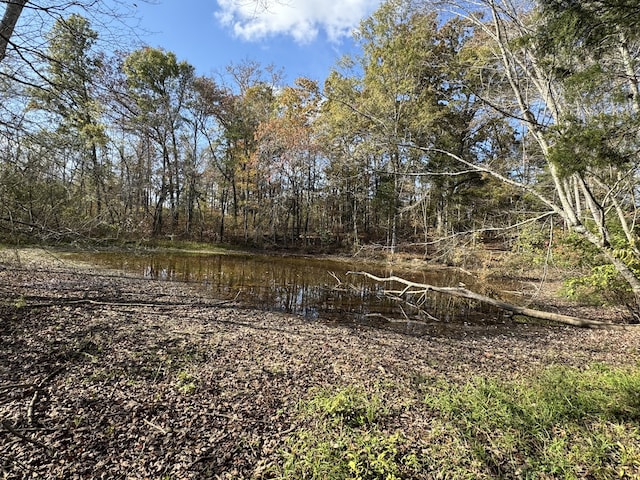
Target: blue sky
point(304, 37)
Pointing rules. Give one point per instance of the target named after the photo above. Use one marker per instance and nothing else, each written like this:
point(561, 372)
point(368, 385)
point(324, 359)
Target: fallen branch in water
point(423, 288)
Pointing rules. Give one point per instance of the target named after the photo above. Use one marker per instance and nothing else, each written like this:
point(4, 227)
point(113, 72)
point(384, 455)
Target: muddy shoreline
point(108, 376)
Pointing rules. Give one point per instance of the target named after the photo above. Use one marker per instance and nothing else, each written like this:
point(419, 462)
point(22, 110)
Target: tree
point(197, 116)
point(412, 93)
point(249, 101)
point(160, 86)
point(72, 72)
point(588, 184)
point(394, 100)
point(38, 65)
point(288, 155)
point(592, 31)
point(214, 105)
point(342, 132)
point(23, 22)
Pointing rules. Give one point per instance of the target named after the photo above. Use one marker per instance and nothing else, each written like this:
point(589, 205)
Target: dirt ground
point(108, 376)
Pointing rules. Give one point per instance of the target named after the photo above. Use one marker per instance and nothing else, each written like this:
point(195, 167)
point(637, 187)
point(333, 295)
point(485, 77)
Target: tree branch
point(465, 293)
point(479, 168)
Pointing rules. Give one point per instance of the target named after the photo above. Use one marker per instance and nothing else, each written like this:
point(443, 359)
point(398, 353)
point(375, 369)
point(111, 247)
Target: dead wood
point(36, 394)
point(8, 427)
point(164, 431)
point(414, 287)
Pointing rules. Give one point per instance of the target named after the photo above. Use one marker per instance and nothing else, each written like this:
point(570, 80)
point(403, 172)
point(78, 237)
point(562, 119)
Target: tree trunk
point(8, 23)
point(516, 70)
point(630, 72)
point(464, 293)
point(157, 215)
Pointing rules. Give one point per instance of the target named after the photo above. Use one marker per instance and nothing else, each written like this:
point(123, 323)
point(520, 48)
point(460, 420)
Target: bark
point(576, 196)
point(630, 72)
point(597, 212)
point(8, 24)
point(413, 287)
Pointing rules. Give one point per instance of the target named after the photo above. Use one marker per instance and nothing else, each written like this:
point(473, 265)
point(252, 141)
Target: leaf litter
point(108, 376)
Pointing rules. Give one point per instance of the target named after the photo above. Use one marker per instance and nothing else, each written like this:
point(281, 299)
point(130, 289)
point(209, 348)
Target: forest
point(500, 132)
point(513, 123)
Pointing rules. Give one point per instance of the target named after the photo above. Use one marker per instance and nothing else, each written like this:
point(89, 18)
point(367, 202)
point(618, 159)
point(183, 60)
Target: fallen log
point(465, 293)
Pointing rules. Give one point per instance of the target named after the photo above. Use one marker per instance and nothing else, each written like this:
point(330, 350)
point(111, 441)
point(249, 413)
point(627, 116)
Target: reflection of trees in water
point(296, 285)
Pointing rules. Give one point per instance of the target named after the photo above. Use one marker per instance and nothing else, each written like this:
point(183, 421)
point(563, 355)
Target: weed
point(603, 284)
point(351, 406)
point(561, 423)
point(564, 423)
point(110, 431)
point(345, 440)
point(186, 382)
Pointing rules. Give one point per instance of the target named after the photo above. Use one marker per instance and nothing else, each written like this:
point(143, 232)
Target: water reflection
point(309, 287)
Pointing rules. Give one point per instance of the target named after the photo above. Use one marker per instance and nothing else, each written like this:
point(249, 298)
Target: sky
point(305, 38)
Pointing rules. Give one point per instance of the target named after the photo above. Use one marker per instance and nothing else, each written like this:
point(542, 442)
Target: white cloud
point(301, 19)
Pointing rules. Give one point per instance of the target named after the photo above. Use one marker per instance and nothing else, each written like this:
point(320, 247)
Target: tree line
point(456, 117)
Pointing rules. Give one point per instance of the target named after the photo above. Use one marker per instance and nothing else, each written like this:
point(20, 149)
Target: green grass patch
point(186, 382)
point(345, 439)
point(351, 406)
point(563, 423)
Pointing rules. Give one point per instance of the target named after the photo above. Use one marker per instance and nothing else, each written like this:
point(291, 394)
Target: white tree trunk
point(422, 288)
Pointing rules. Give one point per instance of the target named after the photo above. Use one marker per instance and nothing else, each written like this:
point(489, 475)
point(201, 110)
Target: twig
point(379, 315)
point(403, 312)
point(336, 278)
point(289, 430)
point(7, 426)
point(33, 401)
point(36, 394)
point(397, 296)
point(157, 427)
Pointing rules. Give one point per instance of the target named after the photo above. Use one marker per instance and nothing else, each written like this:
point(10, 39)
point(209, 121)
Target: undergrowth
point(563, 423)
point(345, 439)
point(560, 424)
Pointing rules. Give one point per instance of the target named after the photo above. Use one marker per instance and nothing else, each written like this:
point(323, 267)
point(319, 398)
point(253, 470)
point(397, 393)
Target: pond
point(315, 288)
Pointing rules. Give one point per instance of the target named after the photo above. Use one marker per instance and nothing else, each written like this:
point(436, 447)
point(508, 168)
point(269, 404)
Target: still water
point(313, 288)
